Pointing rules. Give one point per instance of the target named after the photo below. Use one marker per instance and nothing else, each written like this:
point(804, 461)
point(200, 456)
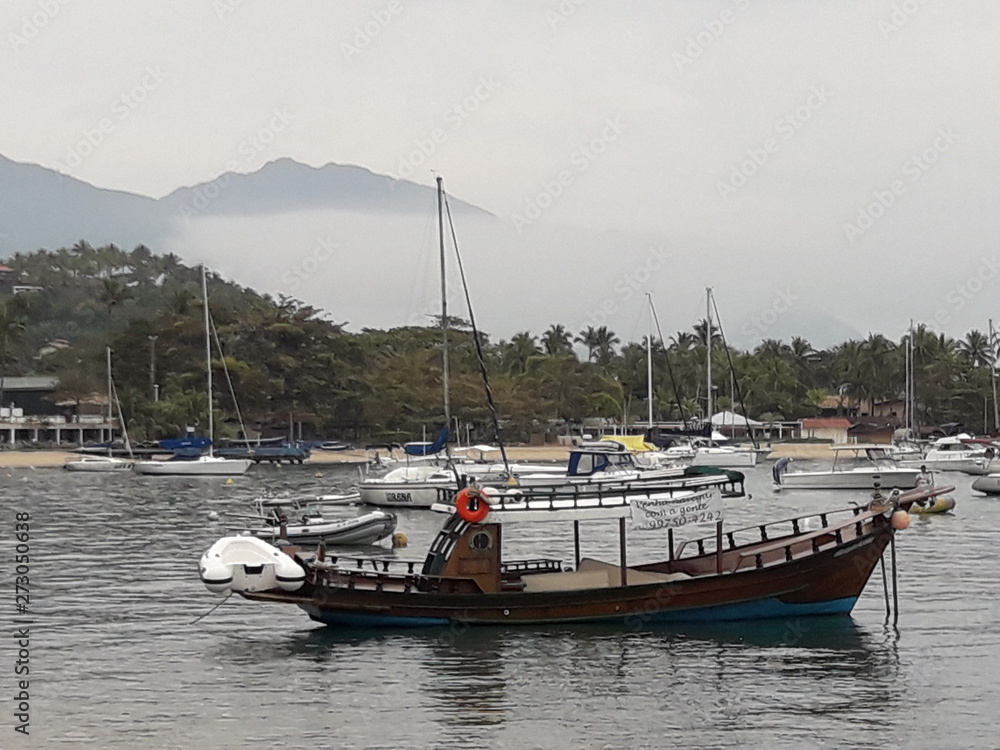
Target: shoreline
point(39, 459)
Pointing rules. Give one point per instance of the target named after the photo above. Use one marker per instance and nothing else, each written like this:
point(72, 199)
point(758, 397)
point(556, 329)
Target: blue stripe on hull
point(757, 610)
point(376, 621)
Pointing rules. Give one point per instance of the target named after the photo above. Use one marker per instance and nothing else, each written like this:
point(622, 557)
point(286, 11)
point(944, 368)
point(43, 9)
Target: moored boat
point(812, 565)
point(878, 470)
point(988, 484)
point(307, 527)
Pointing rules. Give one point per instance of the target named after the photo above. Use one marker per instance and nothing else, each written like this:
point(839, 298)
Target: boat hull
point(215, 467)
point(362, 530)
point(852, 479)
point(989, 484)
point(98, 465)
point(403, 494)
point(726, 459)
point(973, 466)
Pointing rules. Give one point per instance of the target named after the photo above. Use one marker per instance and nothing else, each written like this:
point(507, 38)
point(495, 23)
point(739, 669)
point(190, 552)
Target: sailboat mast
point(649, 364)
point(208, 357)
point(444, 306)
point(993, 378)
point(708, 353)
point(111, 414)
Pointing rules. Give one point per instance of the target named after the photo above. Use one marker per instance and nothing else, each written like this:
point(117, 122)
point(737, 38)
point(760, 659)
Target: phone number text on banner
point(674, 512)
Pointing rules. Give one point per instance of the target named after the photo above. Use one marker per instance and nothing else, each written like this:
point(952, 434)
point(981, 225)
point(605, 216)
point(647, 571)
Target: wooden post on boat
point(718, 547)
point(670, 543)
point(576, 543)
point(621, 550)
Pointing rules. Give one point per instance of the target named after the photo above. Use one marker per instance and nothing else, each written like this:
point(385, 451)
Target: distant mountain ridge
point(43, 208)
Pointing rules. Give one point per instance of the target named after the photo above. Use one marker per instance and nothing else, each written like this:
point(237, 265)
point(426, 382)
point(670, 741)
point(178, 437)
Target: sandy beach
point(39, 459)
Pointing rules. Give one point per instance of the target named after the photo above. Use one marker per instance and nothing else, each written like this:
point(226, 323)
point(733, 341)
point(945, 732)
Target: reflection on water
point(122, 664)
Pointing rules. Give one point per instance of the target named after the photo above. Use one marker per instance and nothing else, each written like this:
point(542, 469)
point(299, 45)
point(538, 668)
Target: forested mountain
point(288, 361)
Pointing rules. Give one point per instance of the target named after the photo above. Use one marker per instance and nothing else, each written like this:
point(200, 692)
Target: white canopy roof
point(733, 419)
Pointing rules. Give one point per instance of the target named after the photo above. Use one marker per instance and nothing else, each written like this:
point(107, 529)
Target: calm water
point(117, 663)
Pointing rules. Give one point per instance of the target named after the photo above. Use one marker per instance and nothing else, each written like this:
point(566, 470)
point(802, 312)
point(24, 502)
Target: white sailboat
point(209, 464)
point(110, 462)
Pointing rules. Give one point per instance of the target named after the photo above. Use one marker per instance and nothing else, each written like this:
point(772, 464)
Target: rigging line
point(736, 381)
point(229, 380)
point(670, 370)
point(479, 346)
point(198, 619)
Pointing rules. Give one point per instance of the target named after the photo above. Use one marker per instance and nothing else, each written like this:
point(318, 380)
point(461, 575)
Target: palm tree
point(557, 341)
point(588, 337)
point(604, 344)
point(976, 348)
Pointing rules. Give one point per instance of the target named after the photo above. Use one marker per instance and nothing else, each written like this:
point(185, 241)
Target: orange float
point(471, 505)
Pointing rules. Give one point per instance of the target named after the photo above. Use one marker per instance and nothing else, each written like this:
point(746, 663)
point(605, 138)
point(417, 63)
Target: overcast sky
point(809, 160)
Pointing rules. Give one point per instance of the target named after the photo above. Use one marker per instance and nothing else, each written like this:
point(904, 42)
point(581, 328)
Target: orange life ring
point(463, 505)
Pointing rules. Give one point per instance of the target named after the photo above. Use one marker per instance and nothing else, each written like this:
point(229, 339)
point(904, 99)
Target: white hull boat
point(976, 466)
point(725, 458)
point(879, 472)
point(362, 530)
point(245, 563)
point(861, 478)
point(203, 466)
point(98, 464)
point(408, 487)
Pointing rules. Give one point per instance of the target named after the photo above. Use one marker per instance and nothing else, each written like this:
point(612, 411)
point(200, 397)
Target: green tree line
point(287, 361)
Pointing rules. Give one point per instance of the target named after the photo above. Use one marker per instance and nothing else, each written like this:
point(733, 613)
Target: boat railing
point(780, 534)
point(594, 495)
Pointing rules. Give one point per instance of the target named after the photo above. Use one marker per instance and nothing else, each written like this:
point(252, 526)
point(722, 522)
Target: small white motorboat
point(245, 563)
point(98, 463)
point(879, 470)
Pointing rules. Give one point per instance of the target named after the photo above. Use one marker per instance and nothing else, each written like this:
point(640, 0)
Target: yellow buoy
point(230, 481)
point(900, 520)
point(399, 539)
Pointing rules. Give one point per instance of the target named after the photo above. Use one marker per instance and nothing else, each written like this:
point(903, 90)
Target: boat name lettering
point(398, 497)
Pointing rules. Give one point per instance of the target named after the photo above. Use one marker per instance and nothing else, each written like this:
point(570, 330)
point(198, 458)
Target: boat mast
point(649, 364)
point(444, 305)
point(111, 432)
point(993, 378)
point(208, 356)
point(708, 354)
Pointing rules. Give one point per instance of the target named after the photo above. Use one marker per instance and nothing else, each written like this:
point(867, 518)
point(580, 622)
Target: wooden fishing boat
point(811, 565)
